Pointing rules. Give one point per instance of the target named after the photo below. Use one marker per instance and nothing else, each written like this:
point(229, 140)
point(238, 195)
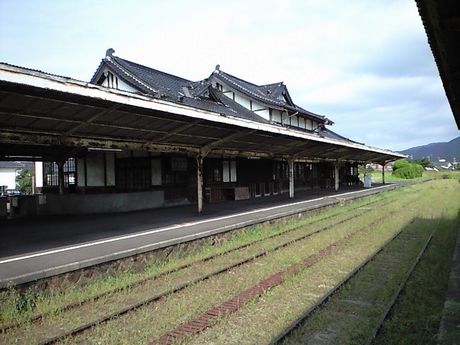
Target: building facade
point(137, 138)
point(225, 177)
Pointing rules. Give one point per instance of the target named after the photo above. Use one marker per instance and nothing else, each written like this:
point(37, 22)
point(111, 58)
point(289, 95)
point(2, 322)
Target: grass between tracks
point(153, 321)
point(264, 318)
point(249, 324)
point(15, 307)
point(416, 315)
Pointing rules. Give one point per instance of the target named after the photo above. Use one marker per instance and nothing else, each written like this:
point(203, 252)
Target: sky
point(366, 65)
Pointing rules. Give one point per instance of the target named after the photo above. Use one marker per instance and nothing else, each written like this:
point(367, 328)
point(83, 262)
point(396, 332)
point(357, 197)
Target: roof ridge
point(151, 69)
point(231, 75)
point(130, 74)
point(273, 84)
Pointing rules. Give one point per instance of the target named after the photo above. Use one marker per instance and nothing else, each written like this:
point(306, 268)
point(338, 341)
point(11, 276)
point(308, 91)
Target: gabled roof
point(166, 86)
point(198, 93)
point(267, 94)
point(147, 79)
point(111, 119)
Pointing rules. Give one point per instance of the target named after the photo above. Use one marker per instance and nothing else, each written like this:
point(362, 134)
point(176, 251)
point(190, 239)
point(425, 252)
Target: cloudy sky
point(364, 64)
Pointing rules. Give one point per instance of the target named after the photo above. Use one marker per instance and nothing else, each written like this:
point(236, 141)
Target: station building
point(135, 138)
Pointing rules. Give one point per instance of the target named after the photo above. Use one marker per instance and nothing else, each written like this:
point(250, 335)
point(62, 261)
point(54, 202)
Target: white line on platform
point(169, 228)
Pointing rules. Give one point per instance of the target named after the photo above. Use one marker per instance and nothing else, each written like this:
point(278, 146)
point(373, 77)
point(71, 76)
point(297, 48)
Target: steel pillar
point(336, 176)
point(383, 173)
point(291, 178)
point(61, 177)
point(199, 182)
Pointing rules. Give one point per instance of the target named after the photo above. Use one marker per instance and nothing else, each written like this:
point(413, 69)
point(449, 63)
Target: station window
point(299, 170)
point(229, 171)
point(280, 171)
point(51, 173)
point(216, 175)
point(133, 174)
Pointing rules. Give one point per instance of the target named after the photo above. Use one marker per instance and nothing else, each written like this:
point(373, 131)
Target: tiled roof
point(201, 94)
point(327, 133)
point(274, 90)
point(270, 98)
point(198, 95)
point(162, 82)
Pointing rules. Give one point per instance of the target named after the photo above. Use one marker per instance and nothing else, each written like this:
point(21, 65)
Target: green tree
point(423, 162)
point(404, 169)
point(24, 181)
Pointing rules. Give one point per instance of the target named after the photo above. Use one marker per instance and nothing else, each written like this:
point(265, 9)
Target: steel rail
point(154, 298)
point(296, 323)
point(211, 316)
point(38, 317)
point(399, 290)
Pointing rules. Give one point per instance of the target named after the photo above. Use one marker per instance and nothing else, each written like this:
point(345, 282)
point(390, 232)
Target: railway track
point(290, 236)
point(38, 317)
point(333, 306)
point(215, 313)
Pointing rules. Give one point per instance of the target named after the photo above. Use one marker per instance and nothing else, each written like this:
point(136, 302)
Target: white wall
point(261, 110)
point(125, 87)
point(38, 174)
point(302, 122)
point(264, 112)
point(8, 177)
point(285, 118)
point(242, 101)
point(276, 116)
point(256, 107)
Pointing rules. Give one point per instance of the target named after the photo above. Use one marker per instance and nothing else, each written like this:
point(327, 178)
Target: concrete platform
point(32, 249)
point(449, 328)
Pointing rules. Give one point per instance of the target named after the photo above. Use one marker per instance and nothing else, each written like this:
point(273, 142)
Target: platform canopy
point(50, 118)
point(441, 19)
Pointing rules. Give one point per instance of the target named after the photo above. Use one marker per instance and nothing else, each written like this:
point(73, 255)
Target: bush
point(403, 169)
point(400, 163)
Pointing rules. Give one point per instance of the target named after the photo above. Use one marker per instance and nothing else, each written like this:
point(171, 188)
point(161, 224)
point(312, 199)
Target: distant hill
point(447, 150)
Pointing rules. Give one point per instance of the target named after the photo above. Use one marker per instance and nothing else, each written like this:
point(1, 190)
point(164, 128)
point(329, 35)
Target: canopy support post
point(336, 176)
point(60, 165)
point(199, 179)
point(383, 172)
point(291, 178)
